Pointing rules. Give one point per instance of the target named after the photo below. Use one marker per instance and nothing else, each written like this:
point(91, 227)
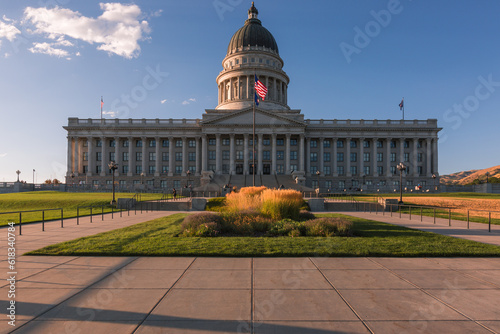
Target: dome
point(252, 34)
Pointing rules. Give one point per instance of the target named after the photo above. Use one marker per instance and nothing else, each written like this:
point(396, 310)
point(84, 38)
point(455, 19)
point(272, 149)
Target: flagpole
point(403, 108)
point(101, 108)
point(253, 133)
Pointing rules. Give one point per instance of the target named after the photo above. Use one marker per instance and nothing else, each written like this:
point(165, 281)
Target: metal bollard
point(43, 221)
point(62, 225)
point(20, 223)
point(77, 215)
point(467, 219)
point(102, 212)
point(449, 217)
point(91, 214)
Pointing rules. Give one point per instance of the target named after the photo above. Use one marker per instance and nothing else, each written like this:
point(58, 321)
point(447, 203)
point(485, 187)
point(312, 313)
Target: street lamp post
point(72, 179)
point(188, 173)
point(112, 167)
point(33, 179)
point(142, 176)
point(18, 172)
point(434, 181)
point(401, 167)
point(318, 173)
point(487, 175)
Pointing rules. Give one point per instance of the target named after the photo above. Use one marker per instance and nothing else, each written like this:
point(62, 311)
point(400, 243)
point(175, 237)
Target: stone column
point(171, 156)
point(80, 156)
point(248, 88)
point(401, 150)
point(308, 156)
point(348, 157)
point(321, 159)
point(130, 156)
point(232, 168)
point(184, 156)
point(90, 166)
point(245, 154)
point(374, 158)
point(70, 156)
point(429, 157)
point(273, 153)
point(76, 154)
point(104, 158)
point(361, 157)
point(301, 154)
point(415, 157)
point(218, 154)
point(259, 156)
point(287, 154)
point(118, 158)
point(435, 156)
point(198, 157)
point(204, 152)
point(388, 158)
point(144, 157)
point(334, 158)
point(158, 157)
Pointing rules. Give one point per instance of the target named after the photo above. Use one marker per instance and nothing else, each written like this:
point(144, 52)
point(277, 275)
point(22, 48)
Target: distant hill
point(472, 176)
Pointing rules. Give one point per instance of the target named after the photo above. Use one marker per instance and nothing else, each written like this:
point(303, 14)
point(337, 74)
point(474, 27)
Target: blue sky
point(345, 59)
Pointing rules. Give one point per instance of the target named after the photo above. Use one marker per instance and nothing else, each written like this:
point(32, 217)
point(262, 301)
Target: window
point(211, 155)
point(406, 144)
point(138, 169)
point(164, 156)
point(340, 170)
point(420, 170)
point(192, 143)
point(393, 169)
point(314, 156)
point(419, 144)
point(393, 144)
point(407, 170)
point(125, 143)
point(409, 182)
point(314, 183)
point(354, 144)
point(342, 184)
point(163, 183)
point(393, 157)
point(152, 156)
point(419, 157)
point(225, 169)
point(340, 143)
point(192, 169)
point(327, 170)
point(380, 157)
point(111, 156)
point(237, 61)
point(314, 169)
point(407, 157)
point(95, 182)
point(152, 143)
point(85, 156)
point(178, 169)
point(354, 170)
point(266, 155)
point(239, 142)
point(326, 143)
point(366, 170)
point(152, 169)
point(178, 156)
point(138, 156)
point(355, 183)
point(328, 184)
point(326, 156)
point(250, 155)
point(314, 143)
point(294, 168)
point(280, 169)
point(366, 144)
point(125, 156)
point(85, 170)
point(85, 143)
point(125, 169)
point(380, 144)
point(98, 143)
point(165, 143)
point(293, 142)
point(239, 155)
point(112, 143)
point(280, 142)
point(293, 155)
point(280, 155)
point(211, 141)
point(138, 143)
point(192, 156)
point(98, 169)
point(354, 157)
point(164, 169)
point(244, 60)
point(225, 141)
point(178, 143)
point(380, 170)
point(340, 157)
point(266, 142)
point(225, 155)
point(98, 156)
point(366, 157)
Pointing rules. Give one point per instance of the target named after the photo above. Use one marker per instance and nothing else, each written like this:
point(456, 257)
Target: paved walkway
point(476, 232)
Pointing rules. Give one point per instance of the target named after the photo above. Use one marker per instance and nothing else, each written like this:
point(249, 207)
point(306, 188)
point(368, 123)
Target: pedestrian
point(174, 193)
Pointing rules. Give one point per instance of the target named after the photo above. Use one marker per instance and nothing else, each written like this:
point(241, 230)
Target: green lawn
point(43, 200)
point(160, 238)
point(367, 197)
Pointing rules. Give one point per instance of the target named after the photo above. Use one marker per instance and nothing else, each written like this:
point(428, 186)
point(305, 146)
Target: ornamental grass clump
point(328, 227)
point(281, 204)
point(204, 224)
point(246, 199)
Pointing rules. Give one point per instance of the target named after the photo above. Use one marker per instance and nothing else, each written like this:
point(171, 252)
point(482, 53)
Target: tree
point(48, 181)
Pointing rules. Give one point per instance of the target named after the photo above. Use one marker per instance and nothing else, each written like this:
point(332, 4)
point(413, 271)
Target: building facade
point(219, 147)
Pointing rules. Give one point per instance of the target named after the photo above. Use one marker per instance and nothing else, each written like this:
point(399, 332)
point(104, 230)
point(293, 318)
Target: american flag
point(402, 104)
point(260, 89)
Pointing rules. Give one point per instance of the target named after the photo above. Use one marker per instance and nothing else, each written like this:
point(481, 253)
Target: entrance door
point(239, 169)
point(266, 169)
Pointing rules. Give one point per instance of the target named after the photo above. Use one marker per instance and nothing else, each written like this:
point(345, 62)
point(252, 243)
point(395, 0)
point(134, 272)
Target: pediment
point(245, 118)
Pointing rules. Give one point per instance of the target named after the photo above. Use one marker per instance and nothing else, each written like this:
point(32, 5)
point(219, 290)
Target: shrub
point(328, 227)
point(247, 198)
point(217, 204)
point(244, 223)
point(306, 215)
point(204, 224)
point(281, 204)
point(286, 227)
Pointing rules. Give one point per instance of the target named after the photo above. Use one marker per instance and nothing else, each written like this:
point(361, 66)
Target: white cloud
point(192, 99)
point(78, 54)
point(163, 101)
point(6, 19)
point(118, 30)
point(8, 31)
point(157, 13)
point(46, 48)
point(185, 103)
point(6, 55)
point(188, 101)
point(3, 155)
point(111, 114)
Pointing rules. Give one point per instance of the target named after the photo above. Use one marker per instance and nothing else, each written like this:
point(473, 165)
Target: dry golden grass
point(476, 206)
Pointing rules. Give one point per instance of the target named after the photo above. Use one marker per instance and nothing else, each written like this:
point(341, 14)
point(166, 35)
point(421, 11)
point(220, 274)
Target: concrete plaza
point(71, 294)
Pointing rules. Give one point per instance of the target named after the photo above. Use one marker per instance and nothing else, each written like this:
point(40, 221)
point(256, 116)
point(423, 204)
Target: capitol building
point(219, 148)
